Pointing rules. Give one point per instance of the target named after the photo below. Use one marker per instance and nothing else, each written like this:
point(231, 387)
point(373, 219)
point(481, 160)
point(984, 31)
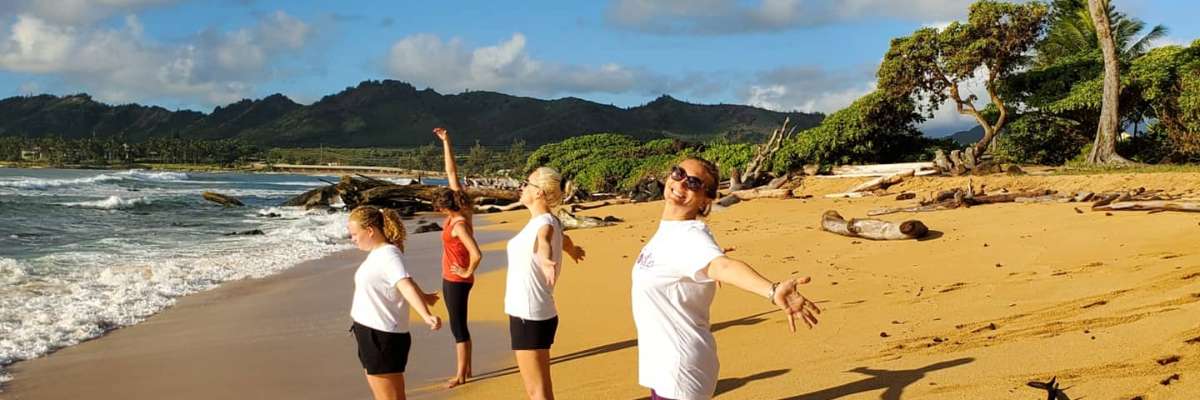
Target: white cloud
point(947, 119)
point(807, 88)
point(122, 65)
point(736, 16)
point(76, 12)
point(450, 66)
point(29, 88)
point(1167, 41)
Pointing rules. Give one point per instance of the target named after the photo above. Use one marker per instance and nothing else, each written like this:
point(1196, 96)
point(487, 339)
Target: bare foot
point(455, 381)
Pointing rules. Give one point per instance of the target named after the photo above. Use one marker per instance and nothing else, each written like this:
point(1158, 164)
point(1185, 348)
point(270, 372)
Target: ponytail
point(393, 228)
point(384, 220)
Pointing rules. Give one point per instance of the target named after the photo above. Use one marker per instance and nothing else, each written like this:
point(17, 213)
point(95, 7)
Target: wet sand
point(283, 336)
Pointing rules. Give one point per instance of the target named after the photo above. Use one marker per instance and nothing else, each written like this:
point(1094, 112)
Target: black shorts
point(381, 352)
point(532, 335)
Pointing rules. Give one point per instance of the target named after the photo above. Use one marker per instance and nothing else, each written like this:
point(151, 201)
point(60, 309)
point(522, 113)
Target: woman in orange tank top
point(460, 258)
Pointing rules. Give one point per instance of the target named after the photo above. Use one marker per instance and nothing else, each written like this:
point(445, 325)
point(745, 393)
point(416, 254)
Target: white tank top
point(526, 293)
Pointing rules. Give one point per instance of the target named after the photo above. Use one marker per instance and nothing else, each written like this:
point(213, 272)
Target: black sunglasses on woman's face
point(693, 183)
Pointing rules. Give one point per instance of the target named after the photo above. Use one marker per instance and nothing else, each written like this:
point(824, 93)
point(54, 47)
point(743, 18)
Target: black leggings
point(456, 295)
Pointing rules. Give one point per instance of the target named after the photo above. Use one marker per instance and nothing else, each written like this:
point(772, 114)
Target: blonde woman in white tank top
point(534, 264)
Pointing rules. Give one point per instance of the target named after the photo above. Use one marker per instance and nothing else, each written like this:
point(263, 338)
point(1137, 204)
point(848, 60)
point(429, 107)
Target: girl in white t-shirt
point(383, 292)
point(674, 282)
point(534, 263)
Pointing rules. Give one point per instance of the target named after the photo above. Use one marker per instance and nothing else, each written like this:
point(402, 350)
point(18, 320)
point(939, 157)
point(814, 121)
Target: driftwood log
point(883, 182)
point(227, 201)
point(1153, 205)
point(354, 191)
point(571, 221)
point(873, 229)
point(606, 203)
point(491, 208)
point(766, 151)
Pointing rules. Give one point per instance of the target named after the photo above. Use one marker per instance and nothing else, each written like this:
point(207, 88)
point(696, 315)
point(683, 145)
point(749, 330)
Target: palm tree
point(1104, 149)
point(1072, 32)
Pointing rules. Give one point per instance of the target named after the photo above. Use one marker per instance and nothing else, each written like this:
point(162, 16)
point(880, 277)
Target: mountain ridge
point(391, 113)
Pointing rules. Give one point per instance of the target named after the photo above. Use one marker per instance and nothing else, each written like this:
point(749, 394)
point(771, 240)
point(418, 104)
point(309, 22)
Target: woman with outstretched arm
point(460, 258)
point(674, 284)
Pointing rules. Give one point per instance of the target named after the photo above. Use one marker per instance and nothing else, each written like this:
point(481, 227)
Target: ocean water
point(84, 252)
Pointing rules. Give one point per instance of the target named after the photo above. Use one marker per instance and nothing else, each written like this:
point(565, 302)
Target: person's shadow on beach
point(625, 344)
point(727, 384)
point(893, 381)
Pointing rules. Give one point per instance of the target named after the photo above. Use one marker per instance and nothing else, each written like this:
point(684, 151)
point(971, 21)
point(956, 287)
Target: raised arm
point(783, 294)
point(420, 301)
point(448, 158)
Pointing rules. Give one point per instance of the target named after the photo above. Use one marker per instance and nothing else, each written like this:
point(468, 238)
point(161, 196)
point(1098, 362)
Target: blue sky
point(807, 55)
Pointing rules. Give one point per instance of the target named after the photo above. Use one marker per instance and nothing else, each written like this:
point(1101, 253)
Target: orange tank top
point(454, 252)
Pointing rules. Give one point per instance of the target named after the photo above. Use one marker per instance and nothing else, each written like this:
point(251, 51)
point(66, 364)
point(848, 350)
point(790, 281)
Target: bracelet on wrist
point(771, 294)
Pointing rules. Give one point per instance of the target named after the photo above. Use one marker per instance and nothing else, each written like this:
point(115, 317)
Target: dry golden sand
point(1003, 295)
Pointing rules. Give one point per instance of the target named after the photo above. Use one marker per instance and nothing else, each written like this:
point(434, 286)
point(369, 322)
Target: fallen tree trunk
point(761, 193)
point(939, 206)
point(1003, 198)
point(581, 207)
point(881, 169)
point(883, 182)
point(571, 221)
point(873, 229)
point(846, 195)
point(491, 208)
point(223, 200)
point(1160, 205)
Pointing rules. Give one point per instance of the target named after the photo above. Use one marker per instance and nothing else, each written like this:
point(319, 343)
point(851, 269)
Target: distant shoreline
point(298, 169)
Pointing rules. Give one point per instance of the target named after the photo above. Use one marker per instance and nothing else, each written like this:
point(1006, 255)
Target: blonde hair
point(385, 220)
point(549, 181)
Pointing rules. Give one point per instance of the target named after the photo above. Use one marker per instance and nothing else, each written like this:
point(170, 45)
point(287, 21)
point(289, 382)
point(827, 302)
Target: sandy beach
point(1000, 296)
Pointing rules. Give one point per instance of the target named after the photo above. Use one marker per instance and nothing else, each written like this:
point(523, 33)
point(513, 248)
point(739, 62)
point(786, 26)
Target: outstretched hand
point(789, 299)
point(576, 253)
point(441, 133)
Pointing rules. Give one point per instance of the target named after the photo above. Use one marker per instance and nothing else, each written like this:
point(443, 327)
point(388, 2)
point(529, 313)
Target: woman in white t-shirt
point(534, 263)
point(674, 282)
point(383, 291)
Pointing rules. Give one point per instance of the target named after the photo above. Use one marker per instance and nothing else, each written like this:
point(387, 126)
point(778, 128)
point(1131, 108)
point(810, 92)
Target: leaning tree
point(932, 65)
point(1104, 149)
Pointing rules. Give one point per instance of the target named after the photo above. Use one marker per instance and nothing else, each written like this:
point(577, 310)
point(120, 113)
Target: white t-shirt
point(677, 355)
point(377, 303)
point(526, 293)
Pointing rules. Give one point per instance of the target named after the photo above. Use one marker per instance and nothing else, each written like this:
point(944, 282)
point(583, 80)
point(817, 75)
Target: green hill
point(390, 114)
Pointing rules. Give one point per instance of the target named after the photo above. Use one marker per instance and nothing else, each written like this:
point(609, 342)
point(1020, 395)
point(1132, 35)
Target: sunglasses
point(525, 183)
point(693, 183)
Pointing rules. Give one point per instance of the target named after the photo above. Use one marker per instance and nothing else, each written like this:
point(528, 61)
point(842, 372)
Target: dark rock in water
point(270, 215)
point(107, 326)
point(224, 200)
point(430, 227)
point(247, 233)
point(613, 219)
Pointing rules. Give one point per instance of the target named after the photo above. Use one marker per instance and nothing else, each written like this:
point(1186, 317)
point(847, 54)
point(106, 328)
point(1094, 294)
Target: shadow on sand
point(625, 344)
point(893, 382)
